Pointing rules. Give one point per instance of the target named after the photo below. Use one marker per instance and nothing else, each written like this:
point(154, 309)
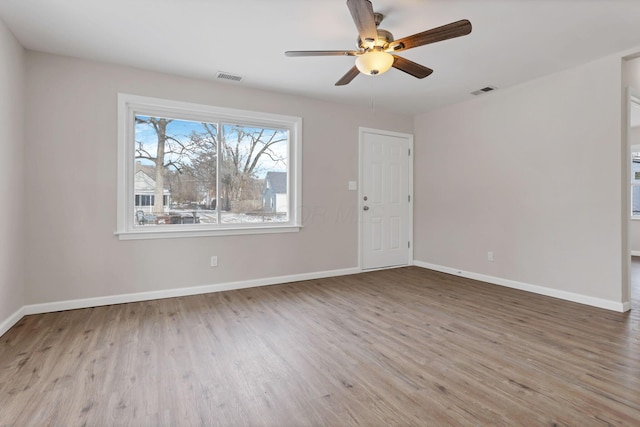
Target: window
point(193, 170)
point(635, 185)
point(149, 200)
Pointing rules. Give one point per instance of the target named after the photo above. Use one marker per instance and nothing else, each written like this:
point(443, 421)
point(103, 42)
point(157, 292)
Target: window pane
point(253, 175)
point(635, 168)
point(635, 200)
point(635, 183)
point(175, 171)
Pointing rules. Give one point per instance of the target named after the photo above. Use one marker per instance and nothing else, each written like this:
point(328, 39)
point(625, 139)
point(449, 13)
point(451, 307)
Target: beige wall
point(71, 208)
point(11, 171)
point(532, 173)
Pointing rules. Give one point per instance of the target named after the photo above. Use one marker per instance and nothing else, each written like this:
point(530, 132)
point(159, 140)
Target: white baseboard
point(11, 320)
point(179, 292)
point(7, 323)
point(536, 289)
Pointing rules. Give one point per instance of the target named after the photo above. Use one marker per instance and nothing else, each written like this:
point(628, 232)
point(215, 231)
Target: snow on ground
point(210, 217)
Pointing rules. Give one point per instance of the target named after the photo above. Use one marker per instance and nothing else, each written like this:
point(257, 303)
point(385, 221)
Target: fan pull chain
point(373, 101)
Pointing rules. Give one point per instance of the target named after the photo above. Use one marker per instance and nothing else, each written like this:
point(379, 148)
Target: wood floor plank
point(406, 346)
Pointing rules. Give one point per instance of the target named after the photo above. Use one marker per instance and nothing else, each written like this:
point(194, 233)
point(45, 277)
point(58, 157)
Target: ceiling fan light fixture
point(376, 48)
point(374, 62)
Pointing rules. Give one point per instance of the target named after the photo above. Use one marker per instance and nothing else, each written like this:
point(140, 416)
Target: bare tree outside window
point(168, 150)
point(248, 154)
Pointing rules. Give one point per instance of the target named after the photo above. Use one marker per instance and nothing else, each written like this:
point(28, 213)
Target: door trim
point(632, 98)
point(409, 137)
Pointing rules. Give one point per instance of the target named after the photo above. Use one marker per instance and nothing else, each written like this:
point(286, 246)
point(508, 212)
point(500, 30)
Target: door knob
point(366, 208)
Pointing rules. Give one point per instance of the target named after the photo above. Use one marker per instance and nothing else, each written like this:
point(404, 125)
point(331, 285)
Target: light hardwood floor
point(395, 347)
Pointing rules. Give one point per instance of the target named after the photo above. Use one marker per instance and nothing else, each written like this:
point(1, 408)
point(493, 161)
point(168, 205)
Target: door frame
point(632, 98)
point(409, 138)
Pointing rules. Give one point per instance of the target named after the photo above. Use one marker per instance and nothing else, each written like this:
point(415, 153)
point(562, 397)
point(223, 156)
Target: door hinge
point(409, 151)
point(409, 245)
point(409, 197)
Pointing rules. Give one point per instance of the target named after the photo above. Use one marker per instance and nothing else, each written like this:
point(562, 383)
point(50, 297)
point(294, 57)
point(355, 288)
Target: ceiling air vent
point(483, 90)
point(228, 76)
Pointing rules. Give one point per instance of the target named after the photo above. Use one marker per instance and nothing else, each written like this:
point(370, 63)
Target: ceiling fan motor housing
point(384, 39)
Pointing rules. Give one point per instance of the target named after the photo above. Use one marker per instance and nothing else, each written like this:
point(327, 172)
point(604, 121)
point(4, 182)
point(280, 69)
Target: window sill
point(635, 218)
point(182, 233)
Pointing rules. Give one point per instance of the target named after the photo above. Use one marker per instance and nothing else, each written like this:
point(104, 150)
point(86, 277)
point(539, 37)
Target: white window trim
point(130, 105)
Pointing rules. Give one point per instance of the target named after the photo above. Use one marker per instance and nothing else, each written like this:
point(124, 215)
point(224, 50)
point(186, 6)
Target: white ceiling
point(512, 41)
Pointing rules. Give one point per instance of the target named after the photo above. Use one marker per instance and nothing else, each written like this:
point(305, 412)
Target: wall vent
point(484, 90)
point(228, 76)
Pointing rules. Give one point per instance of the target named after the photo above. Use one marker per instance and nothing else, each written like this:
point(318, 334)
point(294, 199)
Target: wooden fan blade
point(449, 31)
point(410, 67)
point(321, 53)
point(362, 14)
point(346, 79)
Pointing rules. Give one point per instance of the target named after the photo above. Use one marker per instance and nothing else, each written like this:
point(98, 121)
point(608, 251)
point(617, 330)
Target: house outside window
point(144, 189)
point(274, 194)
point(193, 170)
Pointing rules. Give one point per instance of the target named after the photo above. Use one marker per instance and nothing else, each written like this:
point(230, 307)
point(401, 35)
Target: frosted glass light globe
point(374, 62)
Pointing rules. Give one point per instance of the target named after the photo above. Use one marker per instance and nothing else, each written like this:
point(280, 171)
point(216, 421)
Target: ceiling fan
point(377, 48)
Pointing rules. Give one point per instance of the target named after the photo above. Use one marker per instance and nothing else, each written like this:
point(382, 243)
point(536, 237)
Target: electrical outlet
point(490, 256)
point(214, 261)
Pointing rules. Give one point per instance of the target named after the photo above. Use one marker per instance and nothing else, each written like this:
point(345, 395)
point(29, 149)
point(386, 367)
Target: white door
point(385, 198)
